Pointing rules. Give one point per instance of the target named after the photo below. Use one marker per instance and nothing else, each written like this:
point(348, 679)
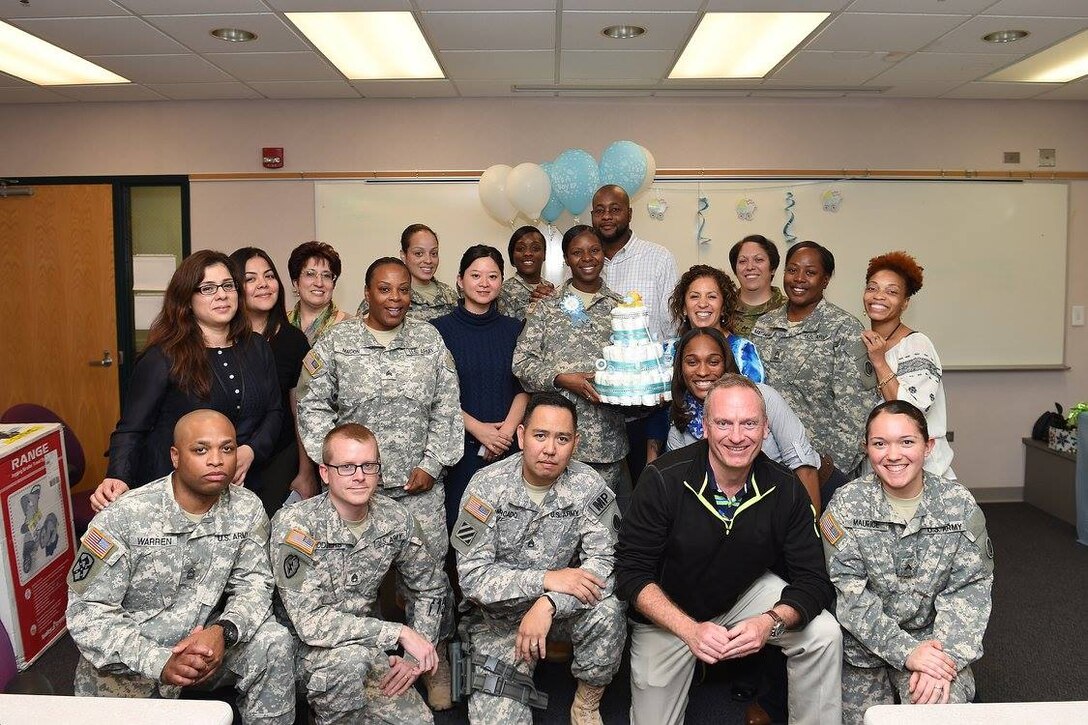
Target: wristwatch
point(230, 632)
point(779, 625)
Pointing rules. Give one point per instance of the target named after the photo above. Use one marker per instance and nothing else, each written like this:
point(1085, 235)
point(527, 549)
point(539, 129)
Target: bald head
point(205, 458)
point(611, 215)
point(613, 191)
point(191, 423)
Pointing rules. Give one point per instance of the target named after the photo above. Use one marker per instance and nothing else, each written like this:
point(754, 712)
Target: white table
point(111, 710)
point(989, 713)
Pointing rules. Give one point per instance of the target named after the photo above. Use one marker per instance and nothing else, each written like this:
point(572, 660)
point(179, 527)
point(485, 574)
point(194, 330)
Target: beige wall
point(989, 412)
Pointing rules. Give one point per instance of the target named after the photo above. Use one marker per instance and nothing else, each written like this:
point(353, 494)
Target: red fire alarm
point(272, 158)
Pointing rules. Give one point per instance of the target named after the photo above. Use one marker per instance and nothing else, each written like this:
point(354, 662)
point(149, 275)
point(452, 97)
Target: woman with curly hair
point(201, 353)
point(314, 268)
point(705, 297)
point(905, 362)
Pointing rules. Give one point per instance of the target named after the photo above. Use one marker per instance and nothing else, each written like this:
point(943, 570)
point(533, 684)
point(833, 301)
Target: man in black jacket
point(706, 524)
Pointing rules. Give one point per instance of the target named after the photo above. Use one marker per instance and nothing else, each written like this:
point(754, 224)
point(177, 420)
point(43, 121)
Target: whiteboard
point(994, 252)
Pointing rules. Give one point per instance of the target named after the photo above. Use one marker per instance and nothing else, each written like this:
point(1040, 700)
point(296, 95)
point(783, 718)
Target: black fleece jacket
point(671, 538)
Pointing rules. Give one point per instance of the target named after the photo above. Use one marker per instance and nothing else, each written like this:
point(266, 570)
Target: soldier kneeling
point(534, 542)
point(330, 554)
point(171, 587)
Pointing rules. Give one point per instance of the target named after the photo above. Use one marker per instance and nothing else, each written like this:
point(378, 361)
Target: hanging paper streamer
point(657, 208)
point(700, 223)
point(787, 231)
point(832, 199)
point(746, 209)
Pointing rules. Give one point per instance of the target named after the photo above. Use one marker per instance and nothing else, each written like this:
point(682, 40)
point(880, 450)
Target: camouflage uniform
point(551, 344)
point(505, 544)
point(901, 583)
point(408, 395)
point(515, 297)
point(815, 368)
point(328, 581)
point(146, 575)
point(421, 308)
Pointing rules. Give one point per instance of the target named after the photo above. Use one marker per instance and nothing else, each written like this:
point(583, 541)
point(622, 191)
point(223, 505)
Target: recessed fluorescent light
point(370, 46)
point(743, 45)
point(1057, 64)
point(32, 59)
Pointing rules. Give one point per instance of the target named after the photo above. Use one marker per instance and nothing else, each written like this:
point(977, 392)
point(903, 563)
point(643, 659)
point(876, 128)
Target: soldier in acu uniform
point(171, 586)
point(534, 544)
point(913, 566)
point(396, 377)
point(330, 554)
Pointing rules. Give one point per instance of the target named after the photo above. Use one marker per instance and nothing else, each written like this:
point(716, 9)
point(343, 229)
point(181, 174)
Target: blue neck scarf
point(694, 408)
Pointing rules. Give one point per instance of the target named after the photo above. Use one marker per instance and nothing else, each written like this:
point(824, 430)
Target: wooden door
point(59, 312)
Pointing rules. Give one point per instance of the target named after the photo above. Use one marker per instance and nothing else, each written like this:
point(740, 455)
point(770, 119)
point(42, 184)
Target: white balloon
point(493, 193)
point(528, 189)
point(651, 169)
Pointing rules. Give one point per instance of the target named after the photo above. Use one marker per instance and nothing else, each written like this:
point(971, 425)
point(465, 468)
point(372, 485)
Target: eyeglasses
point(312, 275)
point(210, 288)
point(370, 468)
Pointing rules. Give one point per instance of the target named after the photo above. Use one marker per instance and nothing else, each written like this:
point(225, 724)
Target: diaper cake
point(635, 369)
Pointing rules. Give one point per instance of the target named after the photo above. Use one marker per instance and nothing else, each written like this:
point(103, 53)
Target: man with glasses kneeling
point(706, 525)
point(330, 554)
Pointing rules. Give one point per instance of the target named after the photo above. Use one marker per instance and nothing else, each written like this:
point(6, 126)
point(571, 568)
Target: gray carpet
point(1034, 644)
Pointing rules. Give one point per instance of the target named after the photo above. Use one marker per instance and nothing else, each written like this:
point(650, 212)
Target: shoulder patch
point(479, 509)
point(606, 509)
point(98, 542)
point(291, 567)
point(313, 364)
point(448, 361)
point(830, 529)
point(300, 540)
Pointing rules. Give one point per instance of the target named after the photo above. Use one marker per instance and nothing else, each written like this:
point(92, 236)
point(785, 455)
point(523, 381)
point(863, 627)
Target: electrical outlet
point(1011, 157)
point(1047, 157)
point(1076, 319)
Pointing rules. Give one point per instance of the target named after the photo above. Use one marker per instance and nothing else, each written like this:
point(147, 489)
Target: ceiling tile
point(664, 31)
point(941, 66)
point(967, 38)
point(426, 5)
point(306, 66)
point(795, 93)
point(632, 5)
point(194, 31)
point(161, 68)
point(1040, 8)
point(110, 93)
point(305, 89)
point(1076, 91)
point(61, 9)
point(192, 7)
point(31, 95)
point(498, 65)
point(337, 6)
point(1000, 90)
point(484, 89)
point(506, 31)
point(101, 36)
point(915, 89)
point(775, 6)
point(406, 89)
point(841, 67)
point(932, 7)
point(7, 81)
point(204, 91)
point(627, 66)
point(883, 31)
point(710, 83)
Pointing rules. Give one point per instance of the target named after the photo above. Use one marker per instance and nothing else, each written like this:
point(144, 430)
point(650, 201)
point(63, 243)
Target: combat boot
point(586, 709)
point(438, 684)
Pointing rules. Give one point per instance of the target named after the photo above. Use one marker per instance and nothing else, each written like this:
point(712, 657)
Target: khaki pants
point(662, 665)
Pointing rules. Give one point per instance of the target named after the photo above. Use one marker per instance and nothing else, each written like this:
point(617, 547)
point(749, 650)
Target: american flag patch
point(313, 364)
point(478, 509)
point(301, 541)
point(98, 543)
point(831, 529)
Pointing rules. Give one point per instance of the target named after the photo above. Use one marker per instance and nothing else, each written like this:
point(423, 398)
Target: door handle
point(105, 362)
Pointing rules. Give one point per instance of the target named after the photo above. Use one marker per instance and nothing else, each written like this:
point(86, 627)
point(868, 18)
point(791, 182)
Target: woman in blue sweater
point(482, 343)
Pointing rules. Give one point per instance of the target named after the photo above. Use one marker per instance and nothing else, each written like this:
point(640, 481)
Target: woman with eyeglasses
point(430, 298)
point(201, 353)
point(289, 468)
point(314, 268)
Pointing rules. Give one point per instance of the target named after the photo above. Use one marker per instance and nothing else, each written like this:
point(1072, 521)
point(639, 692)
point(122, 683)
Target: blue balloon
point(623, 163)
point(554, 208)
point(575, 179)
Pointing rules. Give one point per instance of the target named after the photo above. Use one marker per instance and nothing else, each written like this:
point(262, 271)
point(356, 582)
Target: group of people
point(796, 491)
